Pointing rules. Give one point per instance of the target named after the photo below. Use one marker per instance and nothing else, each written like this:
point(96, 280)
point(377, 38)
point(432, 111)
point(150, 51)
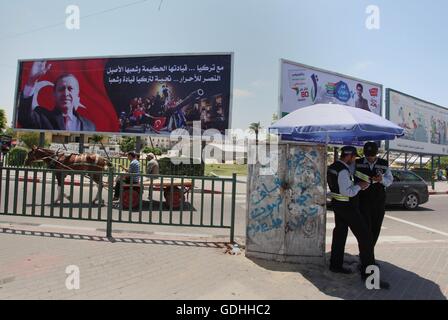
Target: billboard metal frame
point(18, 81)
point(301, 65)
point(387, 97)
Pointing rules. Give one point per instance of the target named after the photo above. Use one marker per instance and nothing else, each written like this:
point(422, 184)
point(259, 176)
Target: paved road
point(190, 263)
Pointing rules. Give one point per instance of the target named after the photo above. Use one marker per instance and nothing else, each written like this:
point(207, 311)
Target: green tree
point(274, 118)
point(155, 150)
point(10, 132)
point(31, 139)
point(96, 139)
point(127, 144)
point(3, 120)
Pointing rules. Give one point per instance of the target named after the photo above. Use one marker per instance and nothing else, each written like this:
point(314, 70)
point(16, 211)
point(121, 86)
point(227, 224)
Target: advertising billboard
point(302, 86)
point(128, 95)
point(425, 124)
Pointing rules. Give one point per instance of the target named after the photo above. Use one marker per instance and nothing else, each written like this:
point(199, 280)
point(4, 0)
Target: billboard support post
point(81, 143)
point(432, 173)
point(138, 144)
point(42, 139)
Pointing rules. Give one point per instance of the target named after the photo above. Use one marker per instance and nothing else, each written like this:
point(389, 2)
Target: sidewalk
point(441, 187)
point(33, 262)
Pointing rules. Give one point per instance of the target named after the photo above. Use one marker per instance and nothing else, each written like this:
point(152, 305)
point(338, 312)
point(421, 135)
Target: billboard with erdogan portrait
point(127, 95)
point(303, 86)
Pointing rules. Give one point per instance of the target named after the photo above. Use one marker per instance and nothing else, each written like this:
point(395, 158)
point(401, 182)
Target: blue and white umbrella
point(335, 124)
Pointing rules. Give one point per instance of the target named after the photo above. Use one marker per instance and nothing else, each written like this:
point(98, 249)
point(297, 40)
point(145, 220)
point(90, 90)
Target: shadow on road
point(405, 285)
point(153, 206)
point(399, 208)
point(136, 240)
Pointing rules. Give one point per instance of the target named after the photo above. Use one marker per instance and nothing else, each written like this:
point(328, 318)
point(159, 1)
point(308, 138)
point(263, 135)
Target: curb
point(432, 193)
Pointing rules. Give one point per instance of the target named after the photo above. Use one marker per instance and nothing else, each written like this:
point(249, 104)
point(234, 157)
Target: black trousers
point(373, 208)
point(347, 215)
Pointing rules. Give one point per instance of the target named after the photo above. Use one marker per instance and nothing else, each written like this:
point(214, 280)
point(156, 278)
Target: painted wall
point(286, 210)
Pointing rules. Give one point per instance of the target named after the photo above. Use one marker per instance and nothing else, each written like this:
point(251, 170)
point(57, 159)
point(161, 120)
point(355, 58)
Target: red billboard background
point(90, 73)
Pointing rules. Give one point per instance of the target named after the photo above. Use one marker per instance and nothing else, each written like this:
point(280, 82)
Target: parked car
point(408, 190)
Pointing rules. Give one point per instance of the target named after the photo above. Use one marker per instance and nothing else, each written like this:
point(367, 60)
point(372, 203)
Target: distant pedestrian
point(153, 165)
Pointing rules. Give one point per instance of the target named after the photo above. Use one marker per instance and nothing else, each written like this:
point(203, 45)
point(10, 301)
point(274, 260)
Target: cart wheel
point(126, 199)
point(177, 197)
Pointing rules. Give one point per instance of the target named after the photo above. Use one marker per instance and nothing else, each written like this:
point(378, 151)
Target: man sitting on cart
point(134, 169)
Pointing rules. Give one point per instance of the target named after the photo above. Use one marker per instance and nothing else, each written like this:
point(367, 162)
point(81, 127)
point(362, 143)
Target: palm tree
point(96, 138)
point(2, 120)
point(274, 118)
point(255, 127)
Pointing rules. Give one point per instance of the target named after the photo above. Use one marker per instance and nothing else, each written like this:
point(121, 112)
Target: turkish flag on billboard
point(159, 123)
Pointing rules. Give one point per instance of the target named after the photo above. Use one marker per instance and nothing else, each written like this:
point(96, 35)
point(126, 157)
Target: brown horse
point(75, 162)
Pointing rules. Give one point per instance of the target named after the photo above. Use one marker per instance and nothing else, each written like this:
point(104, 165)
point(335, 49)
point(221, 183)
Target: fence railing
point(167, 200)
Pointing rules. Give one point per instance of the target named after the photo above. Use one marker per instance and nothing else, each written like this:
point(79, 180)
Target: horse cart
point(175, 191)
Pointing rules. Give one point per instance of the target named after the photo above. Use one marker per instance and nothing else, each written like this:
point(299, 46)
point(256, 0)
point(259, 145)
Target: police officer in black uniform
point(345, 204)
point(373, 199)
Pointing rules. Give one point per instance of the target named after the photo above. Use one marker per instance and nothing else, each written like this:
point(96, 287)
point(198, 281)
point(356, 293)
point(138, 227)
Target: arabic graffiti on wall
point(307, 190)
point(264, 203)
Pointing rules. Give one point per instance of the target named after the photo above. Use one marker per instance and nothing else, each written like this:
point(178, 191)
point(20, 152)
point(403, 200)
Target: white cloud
point(241, 93)
point(260, 83)
point(361, 66)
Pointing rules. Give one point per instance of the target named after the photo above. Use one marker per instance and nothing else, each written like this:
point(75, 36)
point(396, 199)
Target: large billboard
point(302, 86)
point(129, 95)
point(425, 124)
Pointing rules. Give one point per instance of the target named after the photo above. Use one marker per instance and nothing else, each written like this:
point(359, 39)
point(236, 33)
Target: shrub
point(169, 168)
point(17, 157)
point(156, 151)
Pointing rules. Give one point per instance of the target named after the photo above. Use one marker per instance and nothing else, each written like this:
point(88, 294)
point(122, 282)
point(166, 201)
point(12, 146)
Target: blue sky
point(408, 52)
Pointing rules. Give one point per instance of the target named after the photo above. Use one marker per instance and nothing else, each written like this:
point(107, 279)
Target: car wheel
point(411, 201)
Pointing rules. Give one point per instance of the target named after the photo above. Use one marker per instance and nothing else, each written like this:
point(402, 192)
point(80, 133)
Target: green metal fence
point(168, 200)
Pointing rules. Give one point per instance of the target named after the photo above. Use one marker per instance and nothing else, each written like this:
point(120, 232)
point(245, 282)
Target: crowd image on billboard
point(165, 112)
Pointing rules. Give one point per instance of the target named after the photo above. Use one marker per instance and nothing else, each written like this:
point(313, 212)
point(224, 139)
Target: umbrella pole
point(432, 174)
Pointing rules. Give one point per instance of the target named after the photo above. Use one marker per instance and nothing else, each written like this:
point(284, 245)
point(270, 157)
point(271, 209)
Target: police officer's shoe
point(384, 285)
point(340, 270)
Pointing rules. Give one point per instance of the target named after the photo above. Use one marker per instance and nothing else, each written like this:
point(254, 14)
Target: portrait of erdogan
point(64, 115)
